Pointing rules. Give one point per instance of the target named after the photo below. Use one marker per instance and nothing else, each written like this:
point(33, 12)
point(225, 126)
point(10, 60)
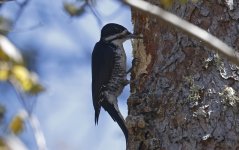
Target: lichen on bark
point(183, 95)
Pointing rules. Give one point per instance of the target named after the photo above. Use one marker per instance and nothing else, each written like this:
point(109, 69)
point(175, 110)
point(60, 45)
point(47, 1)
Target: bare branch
point(4, 1)
point(39, 136)
point(14, 142)
point(27, 29)
point(103, 16)
point(187, 27)
point(33, 120)
point(21, 10)
point(94, 12)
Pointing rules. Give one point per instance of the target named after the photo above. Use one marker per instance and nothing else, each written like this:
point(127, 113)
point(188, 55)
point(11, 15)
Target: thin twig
point(5, 1)
point(94, 12)
point(27, 29)
point(39, 136)
point(33, 121)
point(110, 16)
point(20, 11)
point(187, 27)
point(18, 94)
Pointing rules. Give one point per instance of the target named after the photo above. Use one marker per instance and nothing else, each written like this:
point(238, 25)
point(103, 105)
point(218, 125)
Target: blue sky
point(62, 48)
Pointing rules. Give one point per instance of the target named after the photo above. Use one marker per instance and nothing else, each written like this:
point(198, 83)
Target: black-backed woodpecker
point(109, 72)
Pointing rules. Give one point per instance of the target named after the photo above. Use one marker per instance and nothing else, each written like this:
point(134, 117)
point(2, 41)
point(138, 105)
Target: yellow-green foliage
point(168, 3)
point(17, 125)
point(73, 10)
point(13, 69)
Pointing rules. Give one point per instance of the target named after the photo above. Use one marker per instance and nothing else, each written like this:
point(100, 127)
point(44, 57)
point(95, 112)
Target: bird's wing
point(102, 65)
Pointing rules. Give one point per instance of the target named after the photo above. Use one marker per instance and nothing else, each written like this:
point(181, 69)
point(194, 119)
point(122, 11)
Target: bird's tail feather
point(115, 114)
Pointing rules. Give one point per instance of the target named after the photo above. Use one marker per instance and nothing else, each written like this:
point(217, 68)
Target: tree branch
point(39, 136)
point(20, 11)
point(33, 120)
point(187, 27)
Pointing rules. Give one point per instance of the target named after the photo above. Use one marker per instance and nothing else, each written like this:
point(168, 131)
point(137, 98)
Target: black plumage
point(102, 67)
point(109, 72)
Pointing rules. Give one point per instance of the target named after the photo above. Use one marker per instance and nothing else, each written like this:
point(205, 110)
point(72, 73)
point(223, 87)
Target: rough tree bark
point(183, 95)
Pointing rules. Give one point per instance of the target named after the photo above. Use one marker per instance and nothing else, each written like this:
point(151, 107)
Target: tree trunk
point(183, 95)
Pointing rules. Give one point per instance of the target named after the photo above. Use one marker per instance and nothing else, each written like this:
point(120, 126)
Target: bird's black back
point(102, 66)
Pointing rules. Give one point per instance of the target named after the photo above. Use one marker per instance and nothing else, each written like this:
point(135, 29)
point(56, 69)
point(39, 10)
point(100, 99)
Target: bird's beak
point(134, 36)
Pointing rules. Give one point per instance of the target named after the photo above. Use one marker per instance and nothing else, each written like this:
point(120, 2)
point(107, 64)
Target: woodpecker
point(109, 72)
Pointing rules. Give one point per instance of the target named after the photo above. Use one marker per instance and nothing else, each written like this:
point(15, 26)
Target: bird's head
point(115, 33)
